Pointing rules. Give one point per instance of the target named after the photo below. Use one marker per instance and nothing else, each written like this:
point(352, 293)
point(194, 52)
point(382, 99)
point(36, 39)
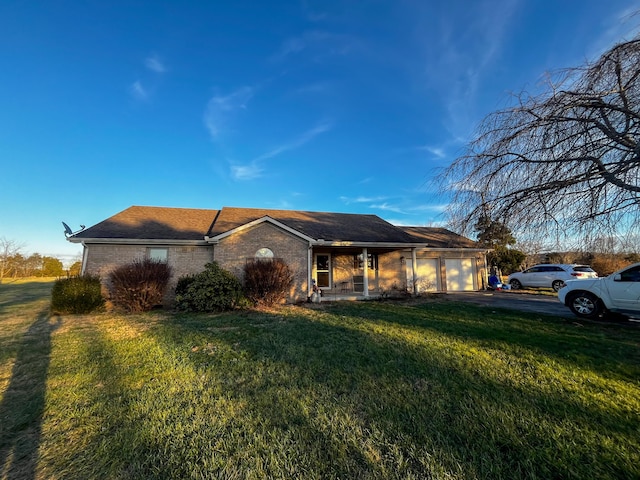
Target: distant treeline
point(35, 265)
point(603, 263)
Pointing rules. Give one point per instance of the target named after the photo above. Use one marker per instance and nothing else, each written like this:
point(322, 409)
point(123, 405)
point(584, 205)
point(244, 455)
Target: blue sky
point(343, 106)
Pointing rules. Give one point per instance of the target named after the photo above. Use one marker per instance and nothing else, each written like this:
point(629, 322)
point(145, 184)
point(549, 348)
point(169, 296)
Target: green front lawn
point(423, 389)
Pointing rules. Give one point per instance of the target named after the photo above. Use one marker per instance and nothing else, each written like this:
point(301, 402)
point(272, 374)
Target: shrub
point(139, 286)
point(183, 284)
point(267, 281)
point(77, 295)
point(213, 290)
point(607, 264)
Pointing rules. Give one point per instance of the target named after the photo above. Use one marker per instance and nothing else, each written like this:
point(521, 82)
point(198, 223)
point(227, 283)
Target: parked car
point(549, 275)
point(619, 293)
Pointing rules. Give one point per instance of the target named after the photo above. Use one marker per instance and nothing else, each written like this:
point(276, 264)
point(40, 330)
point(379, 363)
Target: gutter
point(136, 241)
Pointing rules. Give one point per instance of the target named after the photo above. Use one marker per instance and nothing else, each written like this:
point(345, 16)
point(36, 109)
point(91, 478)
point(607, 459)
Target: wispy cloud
point(312, 14)
point(620, 26)
point(221, 109)
point(140, 91)
point(317, 45)
point(438, 152)
point(457, 64)
point(427, 214)
point(386, 207)
point(154, 64)
point(313, 89)
point(362, 199)
point(295, 143)
point(291, 45)
point(246, 172)
point(255, 169)
point(376, 203)
point(430, 207)
point(409, 223)
point(137, 91)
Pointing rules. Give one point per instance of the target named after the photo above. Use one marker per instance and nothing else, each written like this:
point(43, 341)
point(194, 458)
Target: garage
point(426, 275)
point(460, 274)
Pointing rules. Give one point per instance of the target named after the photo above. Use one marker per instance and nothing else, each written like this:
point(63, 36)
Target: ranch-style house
point(347, 255)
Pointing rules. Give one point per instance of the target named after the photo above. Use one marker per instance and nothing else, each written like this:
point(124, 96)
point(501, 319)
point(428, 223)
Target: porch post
point(309, 268)
point(365, 266)
point(414, 268)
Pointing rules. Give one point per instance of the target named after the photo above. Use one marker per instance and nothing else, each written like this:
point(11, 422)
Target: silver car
point(550, 275)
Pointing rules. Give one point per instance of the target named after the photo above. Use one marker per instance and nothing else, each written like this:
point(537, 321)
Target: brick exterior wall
point(393, 276)
point(232, 252)
point(183, 260)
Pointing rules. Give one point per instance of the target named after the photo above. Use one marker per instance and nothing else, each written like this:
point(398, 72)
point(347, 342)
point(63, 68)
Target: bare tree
point(565, 162)
point(8, 249)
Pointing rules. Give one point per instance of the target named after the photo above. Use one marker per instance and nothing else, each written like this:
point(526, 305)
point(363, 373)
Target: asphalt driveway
point(544, 304)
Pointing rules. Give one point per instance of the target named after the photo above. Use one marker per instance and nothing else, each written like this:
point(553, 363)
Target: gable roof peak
point(328, 226)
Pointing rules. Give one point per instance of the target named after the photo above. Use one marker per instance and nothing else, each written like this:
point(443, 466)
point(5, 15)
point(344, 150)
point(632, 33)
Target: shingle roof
point(164, 223)
point(333, 227)
point(157, 223)
point(439, 237)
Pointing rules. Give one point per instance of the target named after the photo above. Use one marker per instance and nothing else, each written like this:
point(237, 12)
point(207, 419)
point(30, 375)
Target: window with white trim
point(372, 261)
point(158, 254)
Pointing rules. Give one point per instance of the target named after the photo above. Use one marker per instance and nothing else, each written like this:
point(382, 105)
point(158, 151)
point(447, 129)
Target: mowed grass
point(421, 389)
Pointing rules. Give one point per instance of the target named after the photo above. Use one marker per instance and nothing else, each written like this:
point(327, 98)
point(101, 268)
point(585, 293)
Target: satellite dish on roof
point(68, 232)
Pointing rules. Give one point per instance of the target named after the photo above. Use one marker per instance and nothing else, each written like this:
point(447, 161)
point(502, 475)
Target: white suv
point(549, 275)
point(618, 293)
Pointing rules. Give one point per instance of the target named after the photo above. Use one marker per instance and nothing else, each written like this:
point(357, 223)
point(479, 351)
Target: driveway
point(545, 304)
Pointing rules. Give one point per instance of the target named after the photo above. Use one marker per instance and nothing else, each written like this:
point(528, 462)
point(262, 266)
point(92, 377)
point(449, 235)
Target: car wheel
point(585, 305)
point(557, 285)
point(515, 284)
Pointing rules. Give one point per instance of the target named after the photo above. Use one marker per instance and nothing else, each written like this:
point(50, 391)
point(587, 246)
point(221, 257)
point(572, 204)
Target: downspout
point(365, 267)
point(414, 270)
point(485, 274)
point(85, 257)
point(309, 268)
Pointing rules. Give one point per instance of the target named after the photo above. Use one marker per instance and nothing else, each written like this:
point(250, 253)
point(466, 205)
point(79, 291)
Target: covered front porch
point(354, 272)
point(349, 273)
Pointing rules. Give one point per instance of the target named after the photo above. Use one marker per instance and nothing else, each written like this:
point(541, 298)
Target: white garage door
point(426, 275)
point(460, 274)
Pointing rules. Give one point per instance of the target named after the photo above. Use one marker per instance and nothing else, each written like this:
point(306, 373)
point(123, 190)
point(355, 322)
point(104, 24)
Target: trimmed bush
point(213, 290)
point(267, 281)
point(139, 286)
point(77, 295)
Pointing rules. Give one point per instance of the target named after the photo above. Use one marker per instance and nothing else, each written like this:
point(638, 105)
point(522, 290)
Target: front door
point(323, 270)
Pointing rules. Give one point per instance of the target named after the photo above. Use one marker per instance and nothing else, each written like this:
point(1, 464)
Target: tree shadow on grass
point(23, 402)
point(415, 393)
point(319, 397)
point(568, 343)
point(16, 296)
point(419, 403)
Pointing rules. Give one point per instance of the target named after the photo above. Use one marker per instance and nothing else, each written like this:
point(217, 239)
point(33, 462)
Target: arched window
point(264, 253)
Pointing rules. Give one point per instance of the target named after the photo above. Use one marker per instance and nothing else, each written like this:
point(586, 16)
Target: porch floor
point(333, 296)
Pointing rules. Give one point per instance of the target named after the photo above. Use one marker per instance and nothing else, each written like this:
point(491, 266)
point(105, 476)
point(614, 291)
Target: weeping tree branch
point(566, 161)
